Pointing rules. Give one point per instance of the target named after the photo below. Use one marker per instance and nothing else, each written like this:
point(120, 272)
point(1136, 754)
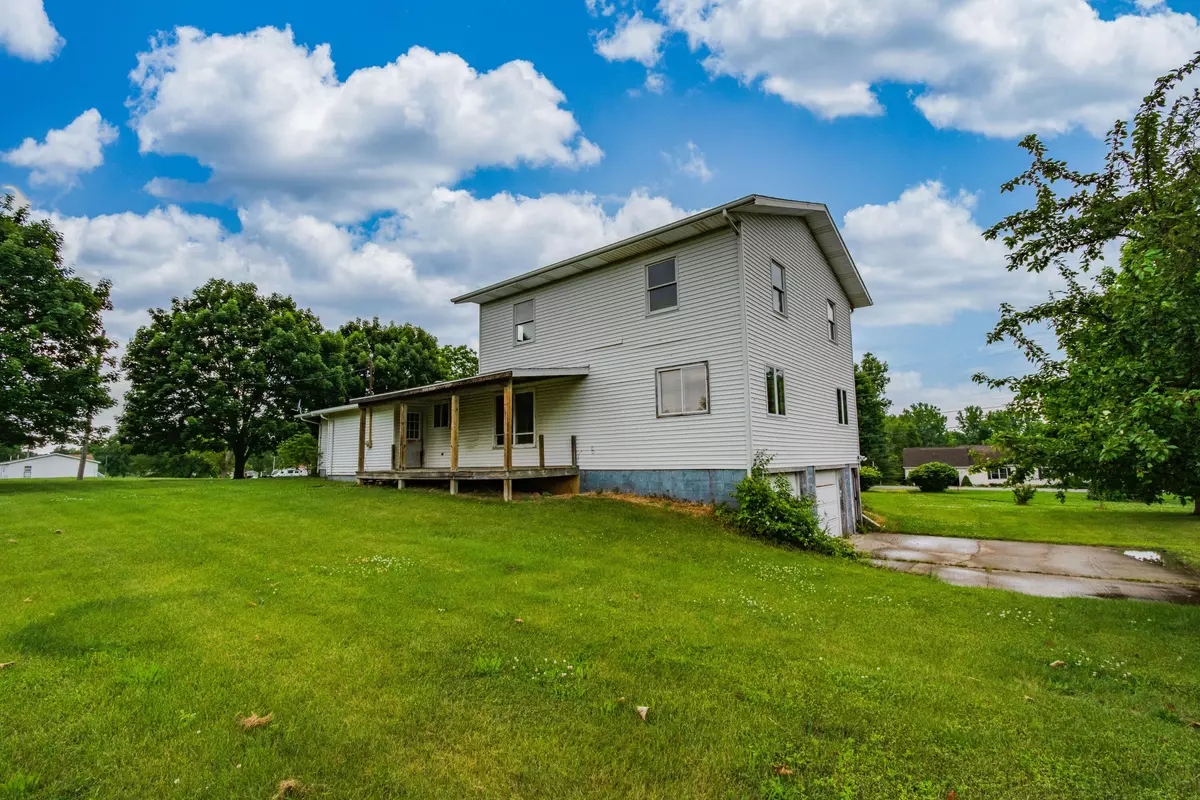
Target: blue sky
point(377, 158)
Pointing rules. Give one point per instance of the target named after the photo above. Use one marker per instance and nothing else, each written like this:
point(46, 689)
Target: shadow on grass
point(118, 626)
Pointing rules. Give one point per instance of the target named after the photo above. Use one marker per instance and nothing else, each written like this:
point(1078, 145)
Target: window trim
point(646, 287)
point(831, 320)
point(658, 412)
point(783, 291)
point(498, 436)
point(533, 319)
point(774, 374)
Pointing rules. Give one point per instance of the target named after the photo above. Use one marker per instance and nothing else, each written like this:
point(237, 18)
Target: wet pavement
point(1046, 570)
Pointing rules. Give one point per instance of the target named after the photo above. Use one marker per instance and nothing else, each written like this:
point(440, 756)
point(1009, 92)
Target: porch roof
point(490, 378)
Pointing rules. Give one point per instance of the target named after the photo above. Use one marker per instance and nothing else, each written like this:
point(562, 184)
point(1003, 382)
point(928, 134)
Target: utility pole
point(371, 371)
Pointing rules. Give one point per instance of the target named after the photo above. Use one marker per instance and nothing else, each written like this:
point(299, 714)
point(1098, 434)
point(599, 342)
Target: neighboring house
point(50, 465)
point(964, 459)
point(657, 365)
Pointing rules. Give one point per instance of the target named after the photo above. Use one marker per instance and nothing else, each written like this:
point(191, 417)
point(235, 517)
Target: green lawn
point(380, 629)
point(1167, 527)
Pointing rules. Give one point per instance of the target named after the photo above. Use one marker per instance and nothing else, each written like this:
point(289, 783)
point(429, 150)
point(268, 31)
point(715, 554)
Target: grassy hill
point(411, 644)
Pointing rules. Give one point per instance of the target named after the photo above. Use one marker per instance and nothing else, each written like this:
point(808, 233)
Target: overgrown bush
point(1023, 493)
point(868, 476)
point(767, 509)
point(934, 477)
point(966, 482)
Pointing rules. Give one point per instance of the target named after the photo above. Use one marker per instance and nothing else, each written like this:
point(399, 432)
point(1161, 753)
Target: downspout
point(741, 266)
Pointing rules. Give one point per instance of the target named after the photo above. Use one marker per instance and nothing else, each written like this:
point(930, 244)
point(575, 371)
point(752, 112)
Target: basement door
point(829, 500)
point(415, 444)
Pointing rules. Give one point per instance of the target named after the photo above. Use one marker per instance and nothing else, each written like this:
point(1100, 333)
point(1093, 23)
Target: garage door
point(829, 501)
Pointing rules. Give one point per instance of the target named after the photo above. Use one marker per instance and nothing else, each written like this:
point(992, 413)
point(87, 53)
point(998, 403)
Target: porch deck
point(560, 480)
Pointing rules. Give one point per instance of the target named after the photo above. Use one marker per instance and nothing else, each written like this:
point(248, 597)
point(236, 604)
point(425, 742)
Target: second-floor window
point(778, 288)
point(523, 325)
point(662, 291)
point(843, 407)
point(775, 400)
point(831, 315)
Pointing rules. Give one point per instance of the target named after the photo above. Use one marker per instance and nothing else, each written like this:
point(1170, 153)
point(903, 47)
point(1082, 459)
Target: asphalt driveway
point(1046, 570)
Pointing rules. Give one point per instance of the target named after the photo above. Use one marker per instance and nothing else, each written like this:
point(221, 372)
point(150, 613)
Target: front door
point(415, 450)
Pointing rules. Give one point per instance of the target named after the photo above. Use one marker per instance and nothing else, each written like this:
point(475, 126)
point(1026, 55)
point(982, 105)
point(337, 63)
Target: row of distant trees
point(216, 379)
point(884, 435)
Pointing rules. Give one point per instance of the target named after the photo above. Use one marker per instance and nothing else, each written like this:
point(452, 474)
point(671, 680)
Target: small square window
point(683, 390)
point(523, 324)
point(662, 290)
point(441, 415)
point(778, 288)
point(775, 398)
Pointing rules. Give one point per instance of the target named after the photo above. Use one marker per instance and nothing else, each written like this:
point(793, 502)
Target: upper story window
point(831, 315)
point(778, 288)
point(683, 390)
point(523, 325)
point(775, 399)
point(843, 407)
point(441, 415)
point(662, 291)
point(522, 419)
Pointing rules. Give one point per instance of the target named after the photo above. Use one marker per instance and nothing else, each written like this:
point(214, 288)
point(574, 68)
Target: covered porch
point(510, 428)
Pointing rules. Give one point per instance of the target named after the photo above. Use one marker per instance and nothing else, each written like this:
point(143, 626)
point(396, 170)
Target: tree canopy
point(223, 369)
point(53, 349)
point(870, 386)
point(1117, 403)
point(401, 357)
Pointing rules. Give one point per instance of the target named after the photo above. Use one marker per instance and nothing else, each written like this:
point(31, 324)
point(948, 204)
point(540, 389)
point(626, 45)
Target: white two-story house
point(657, 365)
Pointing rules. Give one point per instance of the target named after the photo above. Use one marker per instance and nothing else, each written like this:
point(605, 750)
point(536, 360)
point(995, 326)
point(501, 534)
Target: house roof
point(817, 215)
point(73, 457)
point(444, 387)
point(954, 456)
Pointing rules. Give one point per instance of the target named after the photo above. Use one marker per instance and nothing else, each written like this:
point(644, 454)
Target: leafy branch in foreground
point(1117, 403)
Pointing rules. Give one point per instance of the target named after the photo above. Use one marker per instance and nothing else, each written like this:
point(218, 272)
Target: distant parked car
point(290, 472)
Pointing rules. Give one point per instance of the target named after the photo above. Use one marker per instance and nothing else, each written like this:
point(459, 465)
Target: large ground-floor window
point(522, 419)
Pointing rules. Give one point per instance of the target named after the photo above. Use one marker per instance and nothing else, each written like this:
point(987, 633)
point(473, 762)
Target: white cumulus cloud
point(634, 38)
point(924, 259)
point(272, 121)
point(65, 153)
point(996, 68)
point(26, 31)
point(690, 161)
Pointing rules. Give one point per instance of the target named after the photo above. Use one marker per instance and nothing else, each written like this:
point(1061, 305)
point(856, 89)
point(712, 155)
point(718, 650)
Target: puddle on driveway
point(1145, 555)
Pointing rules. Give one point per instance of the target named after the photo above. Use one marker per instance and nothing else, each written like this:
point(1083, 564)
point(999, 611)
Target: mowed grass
point(379, 628)
point(1167, 527)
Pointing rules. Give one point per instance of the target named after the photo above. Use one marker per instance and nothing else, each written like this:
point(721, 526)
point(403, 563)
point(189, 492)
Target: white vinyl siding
point(381, 435)
point(799, 344)
point(342, 445)
point(599, 320)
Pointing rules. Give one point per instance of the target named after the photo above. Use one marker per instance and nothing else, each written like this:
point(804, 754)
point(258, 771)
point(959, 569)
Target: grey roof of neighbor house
point(817, 215)
point(954, 456)
point(72, 456)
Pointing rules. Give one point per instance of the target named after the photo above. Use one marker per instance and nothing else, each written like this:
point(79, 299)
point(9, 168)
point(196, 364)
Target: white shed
point(50, 465)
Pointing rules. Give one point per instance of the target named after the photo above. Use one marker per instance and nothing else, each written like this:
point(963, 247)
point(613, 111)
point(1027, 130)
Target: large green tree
point(387, 357)
point(1118, 400)
point(458, 361)
point(54, 358)
point(224, 369)
point(870, 386)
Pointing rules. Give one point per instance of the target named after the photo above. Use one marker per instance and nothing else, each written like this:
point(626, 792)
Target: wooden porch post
point(542, 450)
point(454, 432)
point(508, 438)
point(402, 427)
point(454, 442)
point(362, 439)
